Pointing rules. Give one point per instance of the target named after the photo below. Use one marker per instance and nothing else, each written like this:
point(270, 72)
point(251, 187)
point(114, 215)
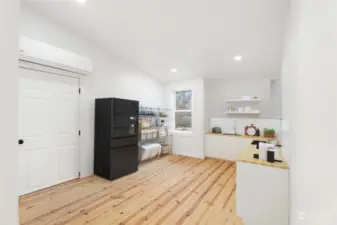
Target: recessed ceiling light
point(81, 1)
point(237, 58)
point(174, 70)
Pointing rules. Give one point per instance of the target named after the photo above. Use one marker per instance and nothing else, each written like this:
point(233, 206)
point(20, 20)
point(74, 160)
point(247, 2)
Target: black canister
point(271, 156)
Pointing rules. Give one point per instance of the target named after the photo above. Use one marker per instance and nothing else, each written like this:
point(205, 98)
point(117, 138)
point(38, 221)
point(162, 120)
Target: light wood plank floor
point(171, 190)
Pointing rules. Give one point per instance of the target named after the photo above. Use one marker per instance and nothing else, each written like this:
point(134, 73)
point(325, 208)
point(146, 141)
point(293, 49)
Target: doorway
point(48, 129)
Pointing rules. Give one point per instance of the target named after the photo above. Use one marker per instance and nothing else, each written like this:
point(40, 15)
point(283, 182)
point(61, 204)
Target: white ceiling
point(198, 37)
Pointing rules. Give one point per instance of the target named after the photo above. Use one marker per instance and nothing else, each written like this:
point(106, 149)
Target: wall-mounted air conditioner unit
point(44, 54)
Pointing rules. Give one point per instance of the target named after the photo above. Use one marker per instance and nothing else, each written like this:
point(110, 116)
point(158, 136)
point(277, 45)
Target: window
point(183, 110)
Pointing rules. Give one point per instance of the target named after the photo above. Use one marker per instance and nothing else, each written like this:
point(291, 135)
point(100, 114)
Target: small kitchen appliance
point(216, 130)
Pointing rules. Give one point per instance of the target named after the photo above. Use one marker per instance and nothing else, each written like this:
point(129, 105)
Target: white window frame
point(189, 130)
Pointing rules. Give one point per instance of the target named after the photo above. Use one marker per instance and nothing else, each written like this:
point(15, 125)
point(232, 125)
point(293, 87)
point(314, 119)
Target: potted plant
point(269, 133)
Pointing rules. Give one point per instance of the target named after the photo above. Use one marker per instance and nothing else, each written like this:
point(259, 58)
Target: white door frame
point(60, 72)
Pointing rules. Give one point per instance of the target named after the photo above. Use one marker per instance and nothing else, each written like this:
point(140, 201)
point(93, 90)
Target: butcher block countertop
point(241, 136)
point(247, 156)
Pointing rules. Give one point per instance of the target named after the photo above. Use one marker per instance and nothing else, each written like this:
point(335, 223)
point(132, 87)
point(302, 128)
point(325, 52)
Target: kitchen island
point(262, 189)
point(247, 156)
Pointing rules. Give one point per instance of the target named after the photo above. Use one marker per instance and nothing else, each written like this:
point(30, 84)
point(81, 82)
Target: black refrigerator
point(116, 137)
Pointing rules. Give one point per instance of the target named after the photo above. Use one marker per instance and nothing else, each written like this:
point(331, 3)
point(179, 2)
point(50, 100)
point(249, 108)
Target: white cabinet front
point(225, 147)
point(48, 130)
point(262, 194)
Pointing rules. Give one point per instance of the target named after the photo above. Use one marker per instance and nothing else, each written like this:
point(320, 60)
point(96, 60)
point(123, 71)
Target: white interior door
point(48, 126)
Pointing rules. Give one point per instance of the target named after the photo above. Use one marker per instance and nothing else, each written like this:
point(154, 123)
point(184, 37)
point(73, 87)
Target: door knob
point(21, 142)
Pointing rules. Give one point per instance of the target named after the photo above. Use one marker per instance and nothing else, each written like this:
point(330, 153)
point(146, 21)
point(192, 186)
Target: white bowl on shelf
point(247, 109)
point(246, 98)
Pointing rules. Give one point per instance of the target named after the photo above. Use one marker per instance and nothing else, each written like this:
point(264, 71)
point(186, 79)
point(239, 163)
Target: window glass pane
point(183, 120)
point(183, 100)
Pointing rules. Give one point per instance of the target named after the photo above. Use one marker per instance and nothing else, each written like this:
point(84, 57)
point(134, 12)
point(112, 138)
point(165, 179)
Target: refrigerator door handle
point(132, 129)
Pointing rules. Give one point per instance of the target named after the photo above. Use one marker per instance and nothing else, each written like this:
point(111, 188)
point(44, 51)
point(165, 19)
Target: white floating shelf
point(242, 100)
point(244, 113)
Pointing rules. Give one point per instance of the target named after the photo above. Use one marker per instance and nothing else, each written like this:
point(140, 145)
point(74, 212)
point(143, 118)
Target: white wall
point(309, 88)
point(117, 79)
point(189, 143)
point(217, 90)
point(111, 77)
point(9, 22)
point(275, 102)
